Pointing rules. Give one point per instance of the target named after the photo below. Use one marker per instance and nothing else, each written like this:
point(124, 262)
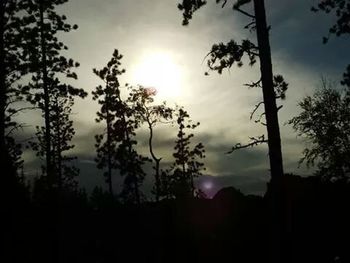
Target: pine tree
point(223, 56)
point(62, 133)
point(107, 97)
point(12, 68)
point(179, 180)
point(48, 67)
point(115, 147)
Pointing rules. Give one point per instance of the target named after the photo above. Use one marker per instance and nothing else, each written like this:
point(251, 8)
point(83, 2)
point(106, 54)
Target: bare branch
point(254, 84)
point(254, 142)
point(17, 127)
point(165, 122)
point(259, 119)
point(224, 3)
point(244, 12)
point(257, 106)
point(250, 24)
point(21, 109)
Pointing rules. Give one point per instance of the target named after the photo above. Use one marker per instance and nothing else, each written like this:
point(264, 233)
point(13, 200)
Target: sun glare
point(159, 71)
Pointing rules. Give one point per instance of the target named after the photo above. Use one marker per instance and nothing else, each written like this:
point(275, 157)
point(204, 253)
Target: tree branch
point(244, 12)
point(250, 25)
point(17, 127)
point(254, 141)
point(254, 84)
point(257, 106)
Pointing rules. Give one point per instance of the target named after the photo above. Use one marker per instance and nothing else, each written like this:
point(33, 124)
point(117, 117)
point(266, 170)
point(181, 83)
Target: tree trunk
point(157, 161)
point(59, 141)
point(109, 164)
point(2, 82)
point(274, 141)
point(48, 152)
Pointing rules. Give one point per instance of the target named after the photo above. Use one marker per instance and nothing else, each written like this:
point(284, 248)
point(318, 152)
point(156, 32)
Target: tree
point(179, 179)
point(224, 56)
point(62, 133)
point(325, 122)
point(115, 147)
point(48, 66)
point(142, 99)
point(12, 68)
point(106, 144)
point(341, 8)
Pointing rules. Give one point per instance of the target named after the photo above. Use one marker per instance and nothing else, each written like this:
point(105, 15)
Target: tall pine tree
point(116, 145)
point(223, 56)
point(12, 68)
point(179, 179)
point(48, 67)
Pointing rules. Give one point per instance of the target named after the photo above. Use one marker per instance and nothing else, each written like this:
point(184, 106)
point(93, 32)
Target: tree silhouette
point(48, 66)
point(61, 134)
point(325, 123)
point(142, 99)
point(115, 147)
point(12, 68)
point(224, 56)
point(108, 97)
point(179, 179)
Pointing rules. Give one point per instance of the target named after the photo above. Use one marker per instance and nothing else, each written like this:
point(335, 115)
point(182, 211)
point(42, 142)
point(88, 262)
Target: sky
point(154, 43)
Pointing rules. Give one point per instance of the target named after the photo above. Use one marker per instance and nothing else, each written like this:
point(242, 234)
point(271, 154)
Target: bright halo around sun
point(159, 71)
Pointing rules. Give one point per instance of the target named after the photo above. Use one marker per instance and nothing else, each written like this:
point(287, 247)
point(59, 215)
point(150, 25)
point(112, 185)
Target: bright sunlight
point(159, 71)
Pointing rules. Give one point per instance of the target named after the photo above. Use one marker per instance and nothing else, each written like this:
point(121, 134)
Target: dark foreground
point(231, 227)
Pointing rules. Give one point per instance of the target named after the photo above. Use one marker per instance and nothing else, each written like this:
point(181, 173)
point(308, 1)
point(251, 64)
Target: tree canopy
point(325, 123)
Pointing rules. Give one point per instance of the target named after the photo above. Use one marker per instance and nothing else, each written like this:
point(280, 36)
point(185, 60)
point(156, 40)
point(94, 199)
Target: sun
point(160, 71)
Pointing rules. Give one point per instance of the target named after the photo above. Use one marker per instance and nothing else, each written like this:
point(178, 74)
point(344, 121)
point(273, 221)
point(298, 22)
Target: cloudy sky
point(154, 43)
